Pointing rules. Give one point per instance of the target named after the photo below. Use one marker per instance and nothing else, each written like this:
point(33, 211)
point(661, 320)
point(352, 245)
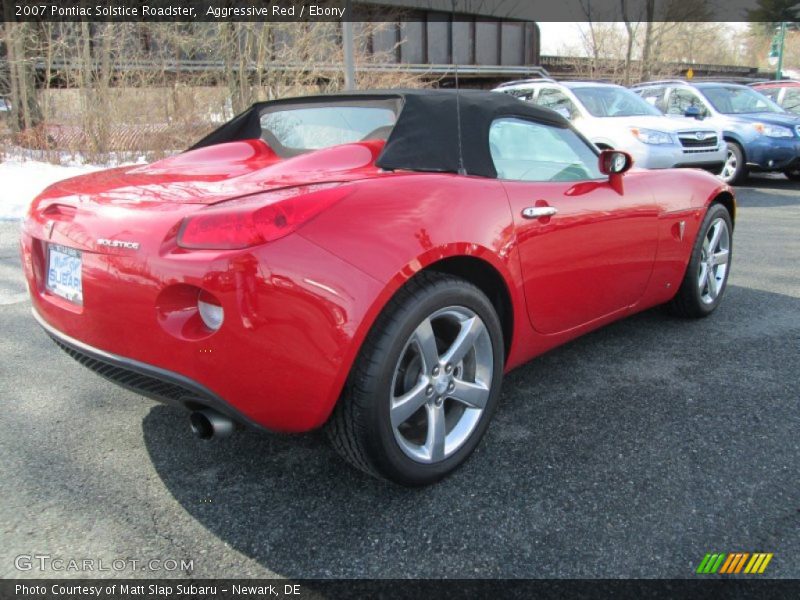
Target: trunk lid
point(213, 174)
point(112, 211)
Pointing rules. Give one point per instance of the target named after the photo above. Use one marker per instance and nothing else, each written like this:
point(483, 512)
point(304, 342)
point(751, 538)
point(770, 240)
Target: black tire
point(739, 173)
point(792, 174)
point(360, 427)
point(689, 302)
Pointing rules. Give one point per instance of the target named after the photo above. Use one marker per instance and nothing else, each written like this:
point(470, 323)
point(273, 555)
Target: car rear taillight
point(256, 219)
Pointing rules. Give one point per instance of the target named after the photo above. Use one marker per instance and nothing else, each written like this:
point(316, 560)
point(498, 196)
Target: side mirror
point(693, 112)
point(614, 163)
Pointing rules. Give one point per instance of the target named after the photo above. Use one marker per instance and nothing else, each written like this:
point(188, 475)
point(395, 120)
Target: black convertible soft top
point(425, 136)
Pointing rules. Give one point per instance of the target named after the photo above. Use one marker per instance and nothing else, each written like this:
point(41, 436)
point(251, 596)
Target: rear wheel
point(425, 384)
point(735, 169)
point(707, 274)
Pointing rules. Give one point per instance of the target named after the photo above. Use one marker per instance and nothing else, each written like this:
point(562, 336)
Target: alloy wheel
point(730, 166)
point(441, 384)
point(714, 258)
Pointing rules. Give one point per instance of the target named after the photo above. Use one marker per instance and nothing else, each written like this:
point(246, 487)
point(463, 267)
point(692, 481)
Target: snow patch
point(22, 180)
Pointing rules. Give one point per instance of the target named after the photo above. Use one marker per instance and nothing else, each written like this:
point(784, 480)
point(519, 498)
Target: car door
point(586, 248)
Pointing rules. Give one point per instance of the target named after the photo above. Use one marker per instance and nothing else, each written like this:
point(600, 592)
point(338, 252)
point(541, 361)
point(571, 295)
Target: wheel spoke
point(434, 440)
point(426, 342)
point(721, 257)
point(471, 328)
point(409, 403)
point(712, 283)
point(730, 166)
point(473, 395)
point(716, 232)
point(701, 279)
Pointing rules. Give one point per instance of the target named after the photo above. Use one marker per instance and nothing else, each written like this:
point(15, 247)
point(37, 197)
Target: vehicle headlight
point(651, 136)
point(775, 131)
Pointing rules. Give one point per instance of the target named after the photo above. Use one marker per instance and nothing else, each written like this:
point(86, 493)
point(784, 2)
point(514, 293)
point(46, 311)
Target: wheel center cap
point(440, 384)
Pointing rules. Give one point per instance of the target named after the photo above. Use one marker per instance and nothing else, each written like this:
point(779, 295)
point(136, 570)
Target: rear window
point(294, 129)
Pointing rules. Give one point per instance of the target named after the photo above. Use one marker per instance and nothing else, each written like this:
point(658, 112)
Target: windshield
point(292, 130)
point(613, 102)
point(734, 100)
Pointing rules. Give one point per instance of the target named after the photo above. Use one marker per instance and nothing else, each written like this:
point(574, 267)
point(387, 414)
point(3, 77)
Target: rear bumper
point(147, 380)
point(293, 313)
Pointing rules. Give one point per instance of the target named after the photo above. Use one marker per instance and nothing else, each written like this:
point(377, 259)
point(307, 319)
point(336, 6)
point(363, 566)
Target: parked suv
point(784, 92)
point(760, 135)
point(612, 116)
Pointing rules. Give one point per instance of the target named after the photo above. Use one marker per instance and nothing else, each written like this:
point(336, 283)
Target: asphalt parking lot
point(631, 452)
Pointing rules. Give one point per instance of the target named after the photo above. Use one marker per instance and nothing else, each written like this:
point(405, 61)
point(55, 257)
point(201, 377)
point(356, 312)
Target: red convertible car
point(372, 263)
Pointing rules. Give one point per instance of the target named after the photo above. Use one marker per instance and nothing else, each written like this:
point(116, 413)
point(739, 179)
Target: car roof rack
point(541, 75)
point(660, 81)
point(603, 81)
point(725, 80)
point(782, 80)
point(531, 80)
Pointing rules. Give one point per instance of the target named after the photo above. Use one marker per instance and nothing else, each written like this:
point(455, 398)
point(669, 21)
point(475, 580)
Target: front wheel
point(425, 385)
point(735, 169)
point(707, 274)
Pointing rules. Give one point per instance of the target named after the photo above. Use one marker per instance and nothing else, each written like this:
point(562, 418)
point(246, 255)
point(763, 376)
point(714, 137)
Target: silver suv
point(612, 116)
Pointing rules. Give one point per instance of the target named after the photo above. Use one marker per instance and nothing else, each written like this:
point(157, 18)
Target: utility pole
point(347, 43)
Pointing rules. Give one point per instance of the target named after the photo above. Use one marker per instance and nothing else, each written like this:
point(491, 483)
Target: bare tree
point(20, 39)
point(118, 88)
point(631, 28)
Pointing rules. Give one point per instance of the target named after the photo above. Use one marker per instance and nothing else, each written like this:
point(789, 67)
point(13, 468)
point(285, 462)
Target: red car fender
point(729, 199)
point(391, 228)
point(411, 268)
point(684, 196)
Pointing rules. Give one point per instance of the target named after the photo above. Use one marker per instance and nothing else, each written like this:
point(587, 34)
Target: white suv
point(612, 116)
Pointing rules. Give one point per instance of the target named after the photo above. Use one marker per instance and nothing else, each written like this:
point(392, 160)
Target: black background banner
point(394, 10)
point(306, 589)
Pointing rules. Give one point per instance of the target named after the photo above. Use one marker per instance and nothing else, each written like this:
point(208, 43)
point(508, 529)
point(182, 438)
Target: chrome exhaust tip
point(206, 424)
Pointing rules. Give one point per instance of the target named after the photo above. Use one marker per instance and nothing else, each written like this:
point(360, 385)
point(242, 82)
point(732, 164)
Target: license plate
point(64, 273)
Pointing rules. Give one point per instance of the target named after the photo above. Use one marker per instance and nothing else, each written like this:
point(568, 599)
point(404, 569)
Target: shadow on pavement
point(761, 188)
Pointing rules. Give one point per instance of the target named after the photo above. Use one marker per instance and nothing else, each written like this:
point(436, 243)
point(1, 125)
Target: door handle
point(537, 212)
